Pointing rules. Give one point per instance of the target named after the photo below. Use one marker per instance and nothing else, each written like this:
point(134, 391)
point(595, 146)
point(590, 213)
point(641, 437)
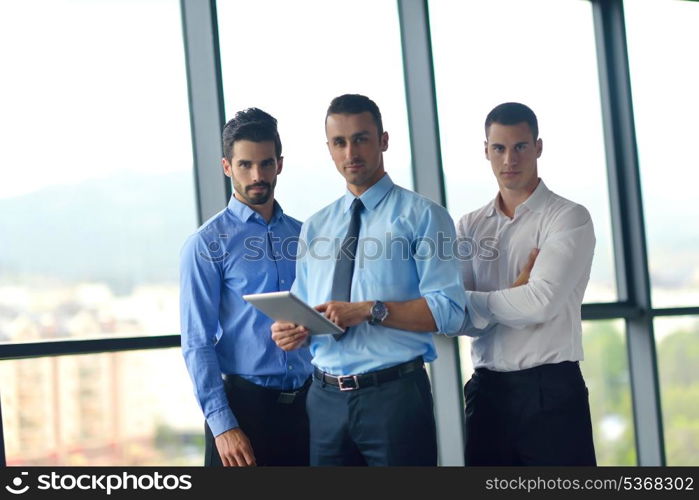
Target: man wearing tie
point(389, 283)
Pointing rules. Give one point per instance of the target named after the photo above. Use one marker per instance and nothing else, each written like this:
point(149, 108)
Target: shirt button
point(291, 367)
point(283, 282)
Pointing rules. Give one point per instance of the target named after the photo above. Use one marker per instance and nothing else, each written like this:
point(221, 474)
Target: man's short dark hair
point(251, 124)
point(512, 113)
point(353, 104)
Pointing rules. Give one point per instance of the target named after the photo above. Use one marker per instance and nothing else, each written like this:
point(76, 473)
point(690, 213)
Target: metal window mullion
point(72, 346)
point(676, 311)
point(207, 116)
point(429, 181)
point(610, 310)
point(628, 225)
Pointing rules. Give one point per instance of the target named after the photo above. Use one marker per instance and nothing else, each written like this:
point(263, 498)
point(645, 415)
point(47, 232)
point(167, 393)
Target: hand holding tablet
point(285, 306)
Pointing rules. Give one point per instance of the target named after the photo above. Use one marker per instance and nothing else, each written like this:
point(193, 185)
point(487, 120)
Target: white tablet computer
point(285, 306)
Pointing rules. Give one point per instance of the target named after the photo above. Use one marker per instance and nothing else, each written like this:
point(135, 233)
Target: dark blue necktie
point(344, 264)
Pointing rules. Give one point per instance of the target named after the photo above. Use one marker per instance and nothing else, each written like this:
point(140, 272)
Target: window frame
point(205, 90)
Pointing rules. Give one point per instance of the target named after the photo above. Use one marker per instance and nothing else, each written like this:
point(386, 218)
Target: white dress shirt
point(537, 323)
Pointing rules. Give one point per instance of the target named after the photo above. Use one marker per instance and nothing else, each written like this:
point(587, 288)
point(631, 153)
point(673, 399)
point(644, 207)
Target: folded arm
point(564, 258)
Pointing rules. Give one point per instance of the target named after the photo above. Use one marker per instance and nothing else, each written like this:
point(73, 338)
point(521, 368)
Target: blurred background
point(105, 171)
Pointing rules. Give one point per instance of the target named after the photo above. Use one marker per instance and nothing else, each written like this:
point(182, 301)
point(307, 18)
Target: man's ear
point(539, 147)
point(280, 164)
point(227, 167)
point(485, 150)
point(384, 141)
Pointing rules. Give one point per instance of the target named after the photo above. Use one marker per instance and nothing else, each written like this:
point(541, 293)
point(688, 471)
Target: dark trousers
point(538, 416)
point(276, 427)
point(387, 424)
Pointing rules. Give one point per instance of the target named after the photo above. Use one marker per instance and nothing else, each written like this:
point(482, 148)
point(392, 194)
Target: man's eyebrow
point(363, 132)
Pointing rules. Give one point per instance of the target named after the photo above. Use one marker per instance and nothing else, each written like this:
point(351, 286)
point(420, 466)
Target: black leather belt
point(354, 382)
point(282, 397)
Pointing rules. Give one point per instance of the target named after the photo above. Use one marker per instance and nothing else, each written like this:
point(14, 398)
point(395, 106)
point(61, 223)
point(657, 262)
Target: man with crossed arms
point(526, 403)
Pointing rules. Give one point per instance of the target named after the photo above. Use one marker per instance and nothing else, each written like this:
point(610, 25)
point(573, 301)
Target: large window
point(97, 190)
point(664, 78)
point(96, 199)
point(127, 408)
point(541, 53)
point(294, 69)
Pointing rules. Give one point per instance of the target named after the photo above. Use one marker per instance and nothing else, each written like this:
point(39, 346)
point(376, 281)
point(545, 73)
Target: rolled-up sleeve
point(441, 283)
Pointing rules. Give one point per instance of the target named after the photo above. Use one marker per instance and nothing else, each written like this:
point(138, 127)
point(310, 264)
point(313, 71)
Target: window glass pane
point(606, 373)
point(677, 344)
point(126, 408)
point(664, 79)
point(293, 71)
point(541, 53)
point(97, 186)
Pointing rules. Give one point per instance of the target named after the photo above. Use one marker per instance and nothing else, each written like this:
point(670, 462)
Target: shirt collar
point(372, 196)
point(244, 212)
point(491, 206)
point(535, 202)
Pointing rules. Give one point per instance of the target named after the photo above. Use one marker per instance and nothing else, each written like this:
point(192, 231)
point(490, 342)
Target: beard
point(259, 198)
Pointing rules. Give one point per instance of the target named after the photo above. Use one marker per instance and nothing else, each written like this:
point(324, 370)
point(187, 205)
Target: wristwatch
point(379, 312)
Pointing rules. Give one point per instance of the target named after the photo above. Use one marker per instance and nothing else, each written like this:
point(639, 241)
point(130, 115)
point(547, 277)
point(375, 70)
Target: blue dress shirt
point(236, 252)
point(404, 252)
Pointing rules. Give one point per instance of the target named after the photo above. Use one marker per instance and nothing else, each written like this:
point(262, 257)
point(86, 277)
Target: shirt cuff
point(221, 421)
point(469, 329)
point(477, 309)
point(447, 315)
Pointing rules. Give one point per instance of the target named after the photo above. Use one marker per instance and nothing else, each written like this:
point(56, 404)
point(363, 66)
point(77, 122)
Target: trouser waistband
point(283, 397)
point(354, 382)
point(552, 369)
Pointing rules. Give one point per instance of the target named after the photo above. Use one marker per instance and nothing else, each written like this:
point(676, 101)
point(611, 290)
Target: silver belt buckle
point(342, 380)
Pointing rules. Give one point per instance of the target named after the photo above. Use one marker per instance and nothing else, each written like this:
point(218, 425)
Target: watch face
point(379, 311)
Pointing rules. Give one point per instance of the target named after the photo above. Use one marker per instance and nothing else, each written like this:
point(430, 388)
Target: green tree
point(607, 378)
point(678, 358)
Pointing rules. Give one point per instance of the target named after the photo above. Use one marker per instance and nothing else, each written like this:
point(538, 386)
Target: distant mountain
point(128, 228)
point(122, 229)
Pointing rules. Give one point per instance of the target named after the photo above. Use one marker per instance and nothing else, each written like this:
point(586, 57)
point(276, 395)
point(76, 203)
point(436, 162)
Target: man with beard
point(252, 393)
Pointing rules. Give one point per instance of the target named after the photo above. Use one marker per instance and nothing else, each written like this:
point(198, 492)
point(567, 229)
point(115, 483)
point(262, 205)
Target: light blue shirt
point(398, 259)
point(236, 252)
